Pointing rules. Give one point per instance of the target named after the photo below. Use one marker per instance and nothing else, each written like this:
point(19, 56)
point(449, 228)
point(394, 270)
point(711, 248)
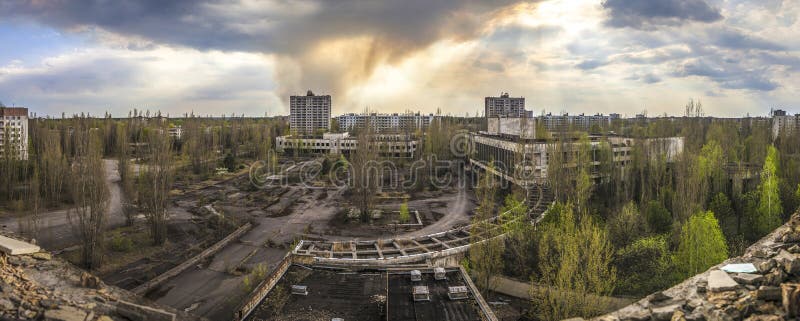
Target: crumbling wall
point(771, 292)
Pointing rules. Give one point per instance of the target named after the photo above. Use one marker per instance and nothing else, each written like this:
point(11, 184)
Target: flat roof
point(365, 296)
point(13, 111)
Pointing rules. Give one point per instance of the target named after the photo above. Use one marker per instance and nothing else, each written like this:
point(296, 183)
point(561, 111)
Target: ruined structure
point(35, 285)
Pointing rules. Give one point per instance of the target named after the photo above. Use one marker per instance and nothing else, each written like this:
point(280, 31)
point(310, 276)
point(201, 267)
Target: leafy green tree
point(769, 204)
point(575, 257)
point(659, 219)
point(723, 210)
point(721, 206)
point(485, 255)
point(626, 226)
point(520, 240)
point(230, 162)
point(405, 215)
point(711, 160)
point(701, 246)
point(797, 193)
point(643, 266)
point(583, 190)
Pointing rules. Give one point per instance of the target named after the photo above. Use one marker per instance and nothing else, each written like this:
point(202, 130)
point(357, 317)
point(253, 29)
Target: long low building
point(511, 146)
point(387, 145)
point(385, 122)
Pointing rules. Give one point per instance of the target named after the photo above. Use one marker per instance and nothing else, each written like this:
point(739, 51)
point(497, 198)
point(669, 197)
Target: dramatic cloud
point(174, 81)
point(729, 74)
point(645, 14)
point(370, 33)
point(247, 56)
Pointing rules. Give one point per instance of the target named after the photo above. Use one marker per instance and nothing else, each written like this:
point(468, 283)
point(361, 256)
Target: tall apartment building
point(309, 113)
point(14, 130)
point(385, 122)
point(783, 122)
point(505, 106)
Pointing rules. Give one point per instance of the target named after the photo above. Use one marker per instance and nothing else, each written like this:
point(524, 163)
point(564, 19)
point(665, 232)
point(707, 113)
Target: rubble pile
point(23, 298)
point(36, 286)
point(761, 285)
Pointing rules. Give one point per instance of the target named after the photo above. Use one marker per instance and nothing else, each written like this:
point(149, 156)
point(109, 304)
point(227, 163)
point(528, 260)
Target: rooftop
point(13, 111)
point(366, 295)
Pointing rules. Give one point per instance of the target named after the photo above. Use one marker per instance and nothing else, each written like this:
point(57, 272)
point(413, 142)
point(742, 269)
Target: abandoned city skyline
point(246, 57)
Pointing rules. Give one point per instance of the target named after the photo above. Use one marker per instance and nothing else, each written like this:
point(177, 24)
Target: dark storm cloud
point(646, 78)
point(730, 75)
point(644, 14)
point(736, 39)
point(590, 64)
point(87, 77)
point(273, 26)
point(290, 29)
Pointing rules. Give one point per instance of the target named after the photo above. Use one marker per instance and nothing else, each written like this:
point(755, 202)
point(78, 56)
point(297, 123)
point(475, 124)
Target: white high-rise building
point(310, 113)
point(784, 123)
point(14, 130)
point(506, 106)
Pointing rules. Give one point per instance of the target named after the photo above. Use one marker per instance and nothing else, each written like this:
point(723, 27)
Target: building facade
point(784, 123)
point(385, 123)
point(512, 155)
point(567, 122)
point(14, 131)
point(309, 113)
point(387, 145)
point(506, 106)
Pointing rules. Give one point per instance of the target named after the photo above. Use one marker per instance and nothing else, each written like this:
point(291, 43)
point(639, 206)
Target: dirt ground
point(281, 215)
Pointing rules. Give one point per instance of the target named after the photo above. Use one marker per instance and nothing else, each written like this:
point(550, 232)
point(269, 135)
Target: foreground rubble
point(36, 286)
point(769, 292)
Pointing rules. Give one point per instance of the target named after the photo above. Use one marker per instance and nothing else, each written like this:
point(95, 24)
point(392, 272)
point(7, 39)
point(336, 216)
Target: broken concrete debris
point(720, 281)
point(37, 286)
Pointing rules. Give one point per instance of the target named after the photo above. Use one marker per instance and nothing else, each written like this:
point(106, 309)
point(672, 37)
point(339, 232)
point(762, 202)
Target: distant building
point(505, 106)
point(566, 122)
point(175, 132)
point(309, 113)
point(512, 127)
point(14, 130)
point(387, 145)
point(784, 123)
point(397, 123)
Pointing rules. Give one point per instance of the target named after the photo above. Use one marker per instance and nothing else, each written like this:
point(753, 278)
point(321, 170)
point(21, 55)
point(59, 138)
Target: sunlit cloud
point(246, 56)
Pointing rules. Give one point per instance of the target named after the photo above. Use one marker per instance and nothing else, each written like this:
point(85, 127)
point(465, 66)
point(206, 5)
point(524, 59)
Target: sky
point(215, 57)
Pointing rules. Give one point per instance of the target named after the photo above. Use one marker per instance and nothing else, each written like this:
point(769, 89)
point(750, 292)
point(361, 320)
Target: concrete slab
point(16, 247)
point(720, 281)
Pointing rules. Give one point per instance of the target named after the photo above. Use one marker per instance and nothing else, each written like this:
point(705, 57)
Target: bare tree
point(155, 181)
point(90, 196)
point(364, 173)
point(125, 175)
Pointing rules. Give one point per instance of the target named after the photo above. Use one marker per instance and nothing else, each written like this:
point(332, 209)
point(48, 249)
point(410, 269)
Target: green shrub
point(120, 243)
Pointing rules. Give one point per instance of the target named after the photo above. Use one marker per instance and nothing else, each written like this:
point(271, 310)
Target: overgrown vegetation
point(663, 218)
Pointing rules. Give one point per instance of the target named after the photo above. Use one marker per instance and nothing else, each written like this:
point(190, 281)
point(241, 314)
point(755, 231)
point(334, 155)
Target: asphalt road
point(55, 232)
